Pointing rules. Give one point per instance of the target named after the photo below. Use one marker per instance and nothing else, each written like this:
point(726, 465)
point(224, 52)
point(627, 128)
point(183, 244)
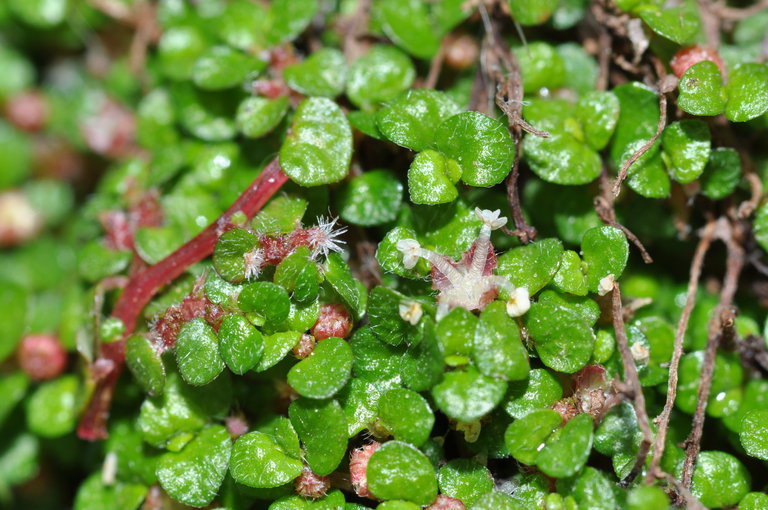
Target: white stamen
point(254, 260)
point(606, 285)
point(325, 238)
point(519, 302)
point(411, 312)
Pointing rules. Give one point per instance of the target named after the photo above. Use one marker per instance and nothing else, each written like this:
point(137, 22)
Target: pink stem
point(144, 285)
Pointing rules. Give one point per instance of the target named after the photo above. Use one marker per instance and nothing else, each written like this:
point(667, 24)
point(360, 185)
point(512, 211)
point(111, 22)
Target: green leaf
point(532, 12)
point(318, 148)
point(322, 74)
point(722, 173)
point(244, 25)
point(531, 266)
point(678, 24)
point(570, 275)
point(467, 395)
point(754, 433)
point(647, 497)
point(257, 116)
point(322, 427)
point(299, 275)
point(391, 259)
point(379, 76)
point(240, 344)
point(193, 475)
point(638, 120)
point(19, 73)
point(339, 276)
point(541, 66)
point(422, 363)
point(540, 390)
point(567, 454)
point(13, 301)
point(334, 500)
point(372, 358)
point(701, 89)
point(182, 409)
point(257, 461)
point(747, 91)
point(281, 215)
point(719, 479)
point(563, 339)
point(526, 437)
point(598, 113)
point(208, 115)
point(144, 362)
point(761, 226)
point(384, 316)
point(464, 479)
point(153, 244)
point(222, 67)
point(497, 350)
point(268, 301)
point(580, 67)
point(481, 146)
point(407, 415)
point(496, 500)
point(546, 156)
point(197, 353)
point(398, 470)
point(19, 460)
point(431, 178)
point(595, 490)
point(178, 50)
point(94, 494)
point(15, 154)
point(290, 18)
point(52, 409)
point(412, 119)
point(752, 501)
point(325, 371)
point(13, 387)
point(686, 148)
point(407, 23)
point(370, 199)
point(276, 346)
point(456, 333)
point(605, 250)
point(96, 261)
point(40, 13)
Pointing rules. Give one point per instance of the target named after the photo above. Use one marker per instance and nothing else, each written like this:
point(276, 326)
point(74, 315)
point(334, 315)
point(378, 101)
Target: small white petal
point(606, 285)
point(519, 302)
point(411, 250)
point(491, 218)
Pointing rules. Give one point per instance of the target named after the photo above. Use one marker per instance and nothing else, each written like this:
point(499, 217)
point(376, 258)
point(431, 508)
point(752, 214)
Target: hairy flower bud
point(42, 357)
point(334, 320)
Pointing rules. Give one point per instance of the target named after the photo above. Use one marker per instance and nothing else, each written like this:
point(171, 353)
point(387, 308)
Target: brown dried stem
point(720, 325)
point(632, 379)
point(662, 421)
point(605, 210)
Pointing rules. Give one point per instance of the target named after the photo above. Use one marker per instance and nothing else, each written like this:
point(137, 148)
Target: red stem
point(144, 285)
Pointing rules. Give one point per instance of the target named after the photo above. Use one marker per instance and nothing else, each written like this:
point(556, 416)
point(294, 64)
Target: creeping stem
point(144, 285)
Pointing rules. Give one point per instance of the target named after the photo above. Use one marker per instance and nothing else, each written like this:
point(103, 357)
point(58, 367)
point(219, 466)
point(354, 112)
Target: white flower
point(606, 285)
point(411, 312)
point(324, 238)
point(519, 302)
point(491, 218)
point(411, 250)
point(640, 353)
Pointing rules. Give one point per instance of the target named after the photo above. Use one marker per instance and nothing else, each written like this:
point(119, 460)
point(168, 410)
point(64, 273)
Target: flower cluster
point(468, 283)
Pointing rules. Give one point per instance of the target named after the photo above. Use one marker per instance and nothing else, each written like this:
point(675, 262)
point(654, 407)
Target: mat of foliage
point(396, 254)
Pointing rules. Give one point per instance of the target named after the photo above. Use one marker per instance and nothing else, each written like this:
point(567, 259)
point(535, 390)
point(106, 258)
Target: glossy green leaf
point(605, 251)
point(257, 461)
point(19, 72)
point(541, 66)
point(422, 363)
point(370, 199)
point(722, 173)
point(701, 90)
point(96, 261)
point(567, 454)
point(754, 433)
point(678, 24)
point(384, 316)
point(570, 275)
point(153, 244)
point(407, 415)
point(52, 409)
point(532, 12)
point(15, 154)
point(761, 226)
point(598, 113)
point(391, 259)
point(280, 216)
point(267, 301)
point(290, 18)
point(178, 50)
point(562, 159)
point(747, 91)
point(497, 349)
point(257, 116)
point(531, 266)
point(318, 148)
point(244, 25)
point(193, 475)
point(496, 500)
point(398, 470)
point(753, 501)
point(467, 395)
point(456, 335)
point(207, 115)
point(338, 274)
point(240, 344)
point(432, 178)
point(95, 494)
point(379, 76)
point(563, 339)
point(144, 362)
point(373, 359)
point(527, 436)
point(407, 23)
point(222, 67)
point(647, 498)
point(464, 479)
point(332, 501)
point(719, 479)
point(276, 346)
point(322, 74)
point(197, 353)
point(13, 387)
point(594, 489)
point(481, 145)
point(412, 119)
point(725, 393)
point(13, 300)
point(325, 371)
point(540, 390)
point(322, 427)
point(686, 146)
